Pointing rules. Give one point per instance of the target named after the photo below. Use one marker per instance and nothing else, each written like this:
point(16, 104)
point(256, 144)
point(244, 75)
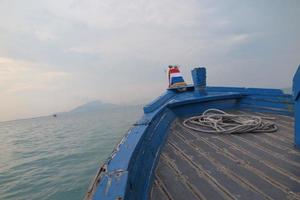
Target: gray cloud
point(117, 51)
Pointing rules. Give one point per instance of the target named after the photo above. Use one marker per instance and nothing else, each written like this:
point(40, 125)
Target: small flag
point(175, 77)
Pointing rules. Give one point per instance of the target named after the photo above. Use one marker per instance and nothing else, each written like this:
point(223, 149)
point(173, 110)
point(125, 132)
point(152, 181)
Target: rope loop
point(218, 121)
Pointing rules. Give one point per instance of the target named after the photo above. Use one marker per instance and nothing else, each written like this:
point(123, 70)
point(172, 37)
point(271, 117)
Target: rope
point(218, 121)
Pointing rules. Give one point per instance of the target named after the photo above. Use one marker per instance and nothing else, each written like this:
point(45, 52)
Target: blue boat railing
point(128, 172)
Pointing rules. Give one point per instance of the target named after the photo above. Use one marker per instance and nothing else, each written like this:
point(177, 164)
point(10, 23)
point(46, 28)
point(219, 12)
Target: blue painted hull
point(128, 172)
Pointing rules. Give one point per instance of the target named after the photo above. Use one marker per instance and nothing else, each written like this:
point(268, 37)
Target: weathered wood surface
point(250, 166)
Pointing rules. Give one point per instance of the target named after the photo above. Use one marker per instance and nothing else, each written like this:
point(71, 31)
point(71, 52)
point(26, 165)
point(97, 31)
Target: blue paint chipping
point(128, 172)
point(112, 186)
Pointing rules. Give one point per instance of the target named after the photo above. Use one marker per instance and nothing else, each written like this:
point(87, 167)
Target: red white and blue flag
point(175, 78)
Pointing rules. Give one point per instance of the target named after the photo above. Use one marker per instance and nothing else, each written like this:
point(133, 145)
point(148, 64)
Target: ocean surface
point(56, 158)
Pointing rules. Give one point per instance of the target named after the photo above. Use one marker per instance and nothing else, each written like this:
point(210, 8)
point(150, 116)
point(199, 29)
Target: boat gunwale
point(168, 101)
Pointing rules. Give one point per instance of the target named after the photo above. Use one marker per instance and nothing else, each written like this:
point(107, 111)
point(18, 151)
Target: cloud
point(117, 51)
point(116, 13)
point(22, 76)
point(28, 88)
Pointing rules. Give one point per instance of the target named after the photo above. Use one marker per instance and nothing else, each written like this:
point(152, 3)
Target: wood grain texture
point(195, 165)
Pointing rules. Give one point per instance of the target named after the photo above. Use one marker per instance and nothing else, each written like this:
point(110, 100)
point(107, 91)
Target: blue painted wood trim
point(169, 94)
point(111, 180)
point(199, 80)
point(198, 99)
point(144, 162)
point(160, 101)
point(139, 149)
point(280, 104)
point(296, 85)
point(121, 175)
point(112, 185)
point(296, 94)
point(259, 91)
point(189, 110)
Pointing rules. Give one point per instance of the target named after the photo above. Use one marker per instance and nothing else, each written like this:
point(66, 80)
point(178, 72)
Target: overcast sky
point(55, 55)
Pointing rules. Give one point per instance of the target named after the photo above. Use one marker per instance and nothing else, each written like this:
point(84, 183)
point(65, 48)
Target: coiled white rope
point(218, 121)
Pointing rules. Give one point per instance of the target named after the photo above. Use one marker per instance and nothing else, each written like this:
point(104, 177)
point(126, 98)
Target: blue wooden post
point(296, 93)
point(199, 79)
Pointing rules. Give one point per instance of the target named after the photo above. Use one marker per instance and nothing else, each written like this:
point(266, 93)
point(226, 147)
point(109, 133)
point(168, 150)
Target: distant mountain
point(93, 106)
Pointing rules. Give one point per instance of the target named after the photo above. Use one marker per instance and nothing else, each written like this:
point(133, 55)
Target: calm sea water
point(56, 158)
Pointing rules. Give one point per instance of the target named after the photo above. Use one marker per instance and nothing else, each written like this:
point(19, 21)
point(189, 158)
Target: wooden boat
point(159, 158)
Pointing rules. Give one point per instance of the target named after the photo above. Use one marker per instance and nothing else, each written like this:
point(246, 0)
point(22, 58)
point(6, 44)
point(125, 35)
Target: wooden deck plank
point(159, 191)
point(196, 165)
point(175, 185)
